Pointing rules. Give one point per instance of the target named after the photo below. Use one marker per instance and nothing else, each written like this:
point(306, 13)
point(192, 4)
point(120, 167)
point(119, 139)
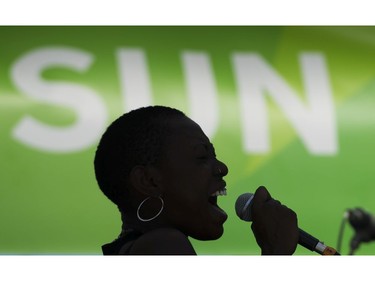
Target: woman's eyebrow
point(200, 144)
point(207, 145)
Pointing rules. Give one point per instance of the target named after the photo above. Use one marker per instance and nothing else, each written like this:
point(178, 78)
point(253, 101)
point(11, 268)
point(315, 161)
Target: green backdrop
point(309, 141)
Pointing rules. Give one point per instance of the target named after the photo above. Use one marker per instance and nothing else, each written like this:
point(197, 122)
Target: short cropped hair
point(135, 138)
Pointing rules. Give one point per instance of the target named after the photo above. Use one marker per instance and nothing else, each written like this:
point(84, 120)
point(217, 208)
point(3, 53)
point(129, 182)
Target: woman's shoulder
point(163, 241)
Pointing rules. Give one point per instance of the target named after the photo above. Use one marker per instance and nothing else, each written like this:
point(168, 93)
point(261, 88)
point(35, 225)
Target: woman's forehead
point(187, 128)
point(185, 132)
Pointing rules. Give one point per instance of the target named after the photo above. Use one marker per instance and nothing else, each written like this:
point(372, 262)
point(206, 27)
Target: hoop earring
point(154, 217)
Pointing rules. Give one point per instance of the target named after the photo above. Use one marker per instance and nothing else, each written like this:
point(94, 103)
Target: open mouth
point(219, 215)
point(213, 198)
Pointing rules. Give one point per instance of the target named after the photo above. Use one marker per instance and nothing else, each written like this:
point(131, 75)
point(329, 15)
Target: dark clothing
point(122, 245)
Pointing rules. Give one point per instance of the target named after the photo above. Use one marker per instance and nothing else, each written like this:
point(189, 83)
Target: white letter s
point(91, 113)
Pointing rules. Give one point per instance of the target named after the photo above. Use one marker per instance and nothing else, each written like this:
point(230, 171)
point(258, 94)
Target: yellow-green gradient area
point(50, 202)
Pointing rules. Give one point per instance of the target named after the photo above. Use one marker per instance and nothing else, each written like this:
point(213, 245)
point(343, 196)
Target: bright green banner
point(290, 108)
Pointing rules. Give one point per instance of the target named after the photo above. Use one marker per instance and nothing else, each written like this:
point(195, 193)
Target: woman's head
point(159, 152)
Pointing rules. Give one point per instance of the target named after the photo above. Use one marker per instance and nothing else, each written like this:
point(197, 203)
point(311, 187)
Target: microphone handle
point(313, 244)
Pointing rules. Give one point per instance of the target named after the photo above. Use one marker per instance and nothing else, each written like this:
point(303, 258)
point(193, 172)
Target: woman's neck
point(132, 223)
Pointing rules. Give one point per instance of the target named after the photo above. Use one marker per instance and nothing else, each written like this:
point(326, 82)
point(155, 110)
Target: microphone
point(243, 211)
point(364, 226)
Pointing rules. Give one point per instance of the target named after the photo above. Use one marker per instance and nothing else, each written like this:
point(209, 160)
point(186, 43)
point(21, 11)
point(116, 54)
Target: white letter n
point(313, 120)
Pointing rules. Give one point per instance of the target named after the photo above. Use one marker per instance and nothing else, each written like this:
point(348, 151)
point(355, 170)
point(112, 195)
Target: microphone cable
point(341, 230)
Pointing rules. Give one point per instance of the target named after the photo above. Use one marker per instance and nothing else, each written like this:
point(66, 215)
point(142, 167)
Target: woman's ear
point(146, 180)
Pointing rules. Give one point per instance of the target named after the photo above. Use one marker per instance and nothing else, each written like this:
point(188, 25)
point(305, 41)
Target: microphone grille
point(243, 206)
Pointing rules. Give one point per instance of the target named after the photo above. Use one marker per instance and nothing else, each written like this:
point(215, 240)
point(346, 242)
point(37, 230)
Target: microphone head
point(243, 206)
point(363, 224)
point(359, 218)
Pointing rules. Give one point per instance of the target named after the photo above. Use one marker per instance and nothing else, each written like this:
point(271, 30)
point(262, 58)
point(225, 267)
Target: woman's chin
point(212, 233)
